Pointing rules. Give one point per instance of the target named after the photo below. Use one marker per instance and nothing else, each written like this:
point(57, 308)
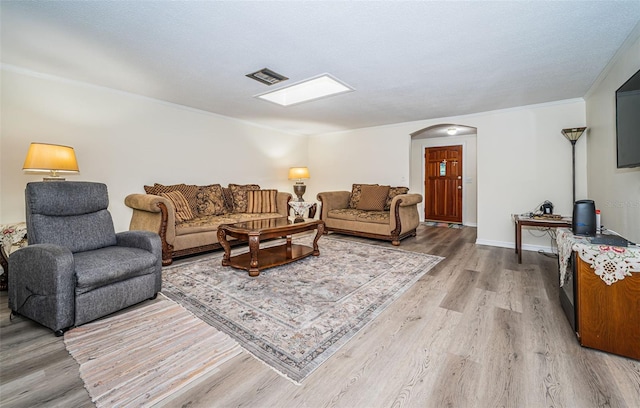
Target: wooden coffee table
point(258, 258)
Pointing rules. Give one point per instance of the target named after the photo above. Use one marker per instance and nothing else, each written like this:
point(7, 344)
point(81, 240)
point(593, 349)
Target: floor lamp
point(573, 135)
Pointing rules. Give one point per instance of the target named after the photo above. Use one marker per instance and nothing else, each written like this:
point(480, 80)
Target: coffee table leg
point(222, 239)
point(319, 232)
point(254, 248)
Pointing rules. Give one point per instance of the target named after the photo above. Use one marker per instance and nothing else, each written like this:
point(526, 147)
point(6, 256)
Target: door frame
point(424, 146)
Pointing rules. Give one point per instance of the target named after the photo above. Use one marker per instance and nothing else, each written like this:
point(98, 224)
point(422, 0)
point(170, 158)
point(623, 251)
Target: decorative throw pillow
point(183, 211)
point(189, 191)
point(228, 199)
point(261, 201)
point(356, 191)
point(373, 198)
point(239, 194)
point(394, 191)
point(210, 201)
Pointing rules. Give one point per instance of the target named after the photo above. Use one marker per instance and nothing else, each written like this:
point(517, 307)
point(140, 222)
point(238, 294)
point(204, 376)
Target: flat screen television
point(628, 122)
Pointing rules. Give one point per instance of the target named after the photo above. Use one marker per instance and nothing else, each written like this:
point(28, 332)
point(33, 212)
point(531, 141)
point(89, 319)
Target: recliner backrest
point(71, 214)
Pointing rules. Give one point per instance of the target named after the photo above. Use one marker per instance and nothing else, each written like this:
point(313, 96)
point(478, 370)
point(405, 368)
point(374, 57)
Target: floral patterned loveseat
point(371, 211)
point(187, 216)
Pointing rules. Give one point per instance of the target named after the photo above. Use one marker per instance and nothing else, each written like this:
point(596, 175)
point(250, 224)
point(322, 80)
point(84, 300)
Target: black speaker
point(584, 218)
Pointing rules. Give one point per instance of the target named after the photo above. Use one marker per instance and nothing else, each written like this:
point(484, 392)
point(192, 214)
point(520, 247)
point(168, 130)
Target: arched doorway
point(448, 172)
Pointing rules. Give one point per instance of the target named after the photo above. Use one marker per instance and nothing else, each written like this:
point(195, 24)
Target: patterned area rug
point(294, 317)
point(138, 358)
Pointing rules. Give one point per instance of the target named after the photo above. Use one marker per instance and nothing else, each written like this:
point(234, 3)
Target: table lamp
point(299, 173)
point(51, 158)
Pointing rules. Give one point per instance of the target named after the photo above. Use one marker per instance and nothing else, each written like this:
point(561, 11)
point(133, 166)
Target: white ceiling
point(407, 60)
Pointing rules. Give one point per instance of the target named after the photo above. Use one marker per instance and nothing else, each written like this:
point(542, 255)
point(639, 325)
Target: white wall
point(127, 141)
point(616, 192)
point(373, 155)
point(522, 160)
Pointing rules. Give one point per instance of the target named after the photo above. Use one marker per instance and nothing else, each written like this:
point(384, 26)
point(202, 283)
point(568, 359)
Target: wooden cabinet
point(608, 315)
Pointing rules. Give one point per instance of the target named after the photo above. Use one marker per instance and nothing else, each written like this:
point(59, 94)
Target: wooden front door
point(443, 183)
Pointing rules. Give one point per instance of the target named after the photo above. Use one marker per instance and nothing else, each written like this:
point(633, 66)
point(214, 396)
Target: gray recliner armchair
point(77, 268)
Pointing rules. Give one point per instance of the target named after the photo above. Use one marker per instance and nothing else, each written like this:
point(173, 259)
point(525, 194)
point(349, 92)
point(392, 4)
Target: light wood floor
point(479, 330)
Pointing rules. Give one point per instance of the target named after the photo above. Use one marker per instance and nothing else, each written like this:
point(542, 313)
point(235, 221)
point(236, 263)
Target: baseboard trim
point(512, 245)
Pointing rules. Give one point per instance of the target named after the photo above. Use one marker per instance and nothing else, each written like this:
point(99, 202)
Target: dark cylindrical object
point(584, 218)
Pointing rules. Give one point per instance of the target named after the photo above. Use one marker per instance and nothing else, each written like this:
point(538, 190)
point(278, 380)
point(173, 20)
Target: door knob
point(459, 187)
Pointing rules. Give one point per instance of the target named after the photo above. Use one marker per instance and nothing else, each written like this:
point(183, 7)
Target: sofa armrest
point(404, 214)
point(407, 199)
point(42, 285)
point(155, 214)
point(152, 213)
point(332, 200)
point(282, 203)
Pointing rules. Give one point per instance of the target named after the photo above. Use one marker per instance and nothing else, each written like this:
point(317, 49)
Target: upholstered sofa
point(187, 216)
point(371, 211)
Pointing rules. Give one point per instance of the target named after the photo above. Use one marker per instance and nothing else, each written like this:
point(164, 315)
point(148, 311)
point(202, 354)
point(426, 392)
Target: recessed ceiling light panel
point(307, 90)
point(267, 76)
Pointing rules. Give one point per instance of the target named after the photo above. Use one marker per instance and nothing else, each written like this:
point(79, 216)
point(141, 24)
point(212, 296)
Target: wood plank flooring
point(479, 330)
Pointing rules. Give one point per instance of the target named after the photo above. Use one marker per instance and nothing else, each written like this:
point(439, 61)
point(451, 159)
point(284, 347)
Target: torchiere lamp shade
point(44, 157)
point(573, 134)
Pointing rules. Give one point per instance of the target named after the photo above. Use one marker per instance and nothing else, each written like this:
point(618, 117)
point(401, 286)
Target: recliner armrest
point(149, 241)
point(42, 284)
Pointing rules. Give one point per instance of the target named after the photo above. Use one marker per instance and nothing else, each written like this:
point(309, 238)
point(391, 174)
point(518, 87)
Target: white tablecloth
point(610, 263)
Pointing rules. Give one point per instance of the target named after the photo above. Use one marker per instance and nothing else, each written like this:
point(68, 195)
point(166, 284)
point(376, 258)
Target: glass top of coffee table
point(274, 223)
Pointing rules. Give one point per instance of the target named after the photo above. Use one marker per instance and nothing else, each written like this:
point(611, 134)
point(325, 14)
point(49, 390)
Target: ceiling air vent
point(267, 76)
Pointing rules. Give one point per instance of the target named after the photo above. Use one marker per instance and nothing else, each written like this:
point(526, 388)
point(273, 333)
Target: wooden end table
point(522, 221)
point(257, 258)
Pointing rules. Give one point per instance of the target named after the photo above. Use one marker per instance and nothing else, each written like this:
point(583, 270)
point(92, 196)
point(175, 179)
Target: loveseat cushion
point(376, 217)
point(104, 266)
point(348, 214)
point(373, 198)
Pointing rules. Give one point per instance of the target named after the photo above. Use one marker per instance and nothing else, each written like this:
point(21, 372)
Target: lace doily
point(300, 207)
point(610, 263)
